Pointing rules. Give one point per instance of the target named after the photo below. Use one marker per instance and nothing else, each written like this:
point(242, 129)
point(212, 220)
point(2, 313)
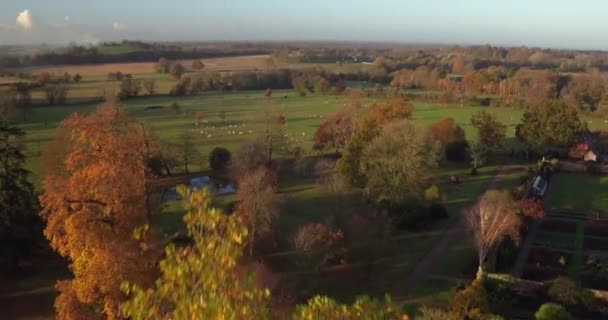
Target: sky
point(580, 24)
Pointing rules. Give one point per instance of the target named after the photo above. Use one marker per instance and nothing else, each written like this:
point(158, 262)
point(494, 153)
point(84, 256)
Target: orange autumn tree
point(93, 205)
point(334, 132)
point(446, 131)
point(369, 127)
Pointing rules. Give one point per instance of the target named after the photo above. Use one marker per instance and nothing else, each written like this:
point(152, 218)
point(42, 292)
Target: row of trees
point(583, 91)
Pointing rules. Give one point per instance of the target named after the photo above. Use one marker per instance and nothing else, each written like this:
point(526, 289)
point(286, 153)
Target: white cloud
point(24, 20)
point(119, 26)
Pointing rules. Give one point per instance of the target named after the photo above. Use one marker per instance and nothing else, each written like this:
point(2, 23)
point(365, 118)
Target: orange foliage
point(93, 207)
point(532, 208)
point(394, 108)
point(336, 130)
point(446, 131)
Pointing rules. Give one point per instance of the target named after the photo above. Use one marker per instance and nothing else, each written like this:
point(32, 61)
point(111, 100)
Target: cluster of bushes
point(506, 290)
point(414, 214)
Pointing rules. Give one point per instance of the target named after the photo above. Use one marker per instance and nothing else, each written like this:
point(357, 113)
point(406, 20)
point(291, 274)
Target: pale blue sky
point(546, 23)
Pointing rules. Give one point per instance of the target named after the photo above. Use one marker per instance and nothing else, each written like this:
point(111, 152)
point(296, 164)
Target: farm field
point(221, 64)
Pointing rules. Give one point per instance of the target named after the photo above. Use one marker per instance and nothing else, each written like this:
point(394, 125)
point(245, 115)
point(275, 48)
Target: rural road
point(424, 268)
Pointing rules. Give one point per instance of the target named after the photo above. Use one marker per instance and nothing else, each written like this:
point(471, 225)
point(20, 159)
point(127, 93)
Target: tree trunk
point(252, 241)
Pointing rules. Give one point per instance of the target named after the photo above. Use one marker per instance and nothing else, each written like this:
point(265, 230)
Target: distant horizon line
point(313, 41)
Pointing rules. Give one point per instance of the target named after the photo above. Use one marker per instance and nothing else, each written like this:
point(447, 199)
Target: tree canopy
point(491, 132)
point(200, 281)
point(397, 163)
point(551, 123)
point(18, 220)
point(93, 204)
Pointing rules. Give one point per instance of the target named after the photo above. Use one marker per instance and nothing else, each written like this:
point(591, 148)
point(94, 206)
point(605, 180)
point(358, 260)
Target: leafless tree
point(490, 220)
point(258, 203)
point(188, 151)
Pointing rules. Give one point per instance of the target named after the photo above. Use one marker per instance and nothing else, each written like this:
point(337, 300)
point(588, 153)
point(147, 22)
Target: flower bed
point(537, 273)
point(554, 225)
point(596, 244)
point(597, 228)
point(545, 264)
point(595, 272)
point(555, 240)
point(548, 258)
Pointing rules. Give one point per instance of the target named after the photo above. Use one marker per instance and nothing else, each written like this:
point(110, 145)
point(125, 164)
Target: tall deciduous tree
point(490, 131)
point(271, 131)
point(445, 131)
point(187, 150)
point(258, 203)
point(55, 93)
point(398, 162)
point(18, 220)
point(492, 218)
point(93, 206)
point(367, 129)
point(336, 130)
point(150, 86)
point(163, 66)
point(550, 123)
point(177, 70)
point(200, 280)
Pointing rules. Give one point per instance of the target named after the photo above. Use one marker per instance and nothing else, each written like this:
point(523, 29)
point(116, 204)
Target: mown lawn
point(578, 192)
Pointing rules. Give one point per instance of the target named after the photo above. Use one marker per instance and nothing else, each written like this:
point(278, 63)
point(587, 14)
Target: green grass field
point(303, 115)
point(578, 192)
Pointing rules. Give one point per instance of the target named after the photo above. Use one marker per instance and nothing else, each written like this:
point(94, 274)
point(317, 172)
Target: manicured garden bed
point(545, 264)
point(555, 225)
point(595, 272)
point(598, 228)
point(555, 240)
point(596, 244)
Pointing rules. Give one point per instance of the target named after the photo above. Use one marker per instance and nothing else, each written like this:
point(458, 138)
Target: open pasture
point(303, 115)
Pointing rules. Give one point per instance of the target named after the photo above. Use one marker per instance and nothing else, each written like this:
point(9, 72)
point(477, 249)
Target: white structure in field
point(539, 186)
point(198, 183)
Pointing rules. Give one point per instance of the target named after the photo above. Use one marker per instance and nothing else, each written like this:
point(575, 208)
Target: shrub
point(368, 237)
point(532, 208)
point(506, 255)
point(219, 159)
point(437, 211)
point(518, 192)
point(456, 151)
point(552, 311)
point(471, 302)
point(406, 215)
point(564, 291)
point(317, 243)
point(592, 168)
point(250, 156)
point(432, 193)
